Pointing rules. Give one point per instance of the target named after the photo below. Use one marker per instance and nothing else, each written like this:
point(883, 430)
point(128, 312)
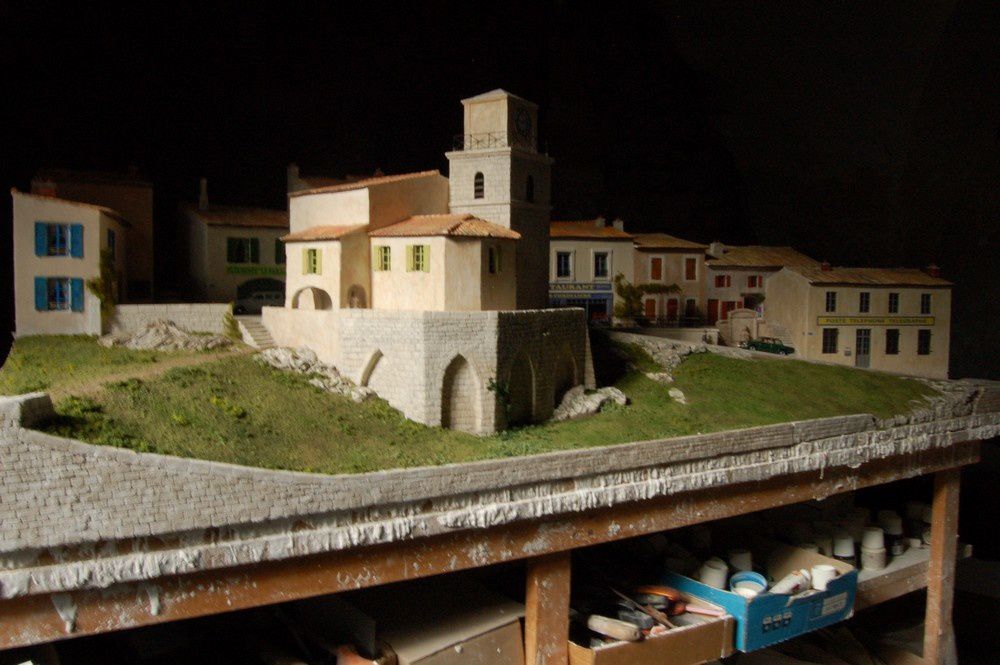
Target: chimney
point(825, 266)
point(203, 195)
point(933, 270)
point(600, 222)
point(716, 249)
point(292, 177)
point(619, 224)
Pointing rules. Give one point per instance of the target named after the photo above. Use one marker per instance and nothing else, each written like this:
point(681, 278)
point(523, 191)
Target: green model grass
point(237, 410)
point(53, 362)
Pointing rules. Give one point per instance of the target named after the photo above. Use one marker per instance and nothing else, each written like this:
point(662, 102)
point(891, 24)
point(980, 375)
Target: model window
point(312, 262)
point(656, 268)
point(754, 281)
point(830, 340)
point(243, 250)
point(58, 294)
point(111, 243)
point(479, 185)
point(892, 341)
point(418, 258)
point(723, 281)
point(564, 264)
point(57, 239)
point(864, 301)
point(279, 252)
point(383, 258)
point(894, 303)
point(690, 269)
point(529, 190)
point(925, 303)
point(600, 265)
point(493, 260)
point(831, 301)
point(923, 342)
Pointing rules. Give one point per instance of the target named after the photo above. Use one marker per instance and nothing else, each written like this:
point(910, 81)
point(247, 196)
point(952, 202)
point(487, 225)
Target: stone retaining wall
point(436, 367)
point(193, 317)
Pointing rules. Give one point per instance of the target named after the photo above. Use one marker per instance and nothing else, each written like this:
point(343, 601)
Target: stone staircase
point(254, 332)
point(781, 332)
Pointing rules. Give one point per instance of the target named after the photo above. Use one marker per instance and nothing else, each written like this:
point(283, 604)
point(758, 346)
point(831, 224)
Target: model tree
point(629, 305)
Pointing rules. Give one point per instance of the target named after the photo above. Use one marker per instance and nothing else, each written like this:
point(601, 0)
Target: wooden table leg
point(939, 633)
point(546, 612)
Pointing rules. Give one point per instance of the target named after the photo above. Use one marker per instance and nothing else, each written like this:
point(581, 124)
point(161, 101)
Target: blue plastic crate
point(772, 618)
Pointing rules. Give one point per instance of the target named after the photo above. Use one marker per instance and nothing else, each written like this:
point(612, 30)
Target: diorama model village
point(358, 390)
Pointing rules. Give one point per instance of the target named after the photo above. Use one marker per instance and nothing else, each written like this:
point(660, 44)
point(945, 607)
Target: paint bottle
point(895, 542)
point(843, 548)
point(794, 582)
point(873, 554)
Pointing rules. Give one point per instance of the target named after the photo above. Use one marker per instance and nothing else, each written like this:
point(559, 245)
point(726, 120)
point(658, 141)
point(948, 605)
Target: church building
point(432, 290)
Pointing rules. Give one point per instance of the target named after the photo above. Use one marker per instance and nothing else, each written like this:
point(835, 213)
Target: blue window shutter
point(76, 240)
point(76, 294)
point(41, 294)
point(41, 239)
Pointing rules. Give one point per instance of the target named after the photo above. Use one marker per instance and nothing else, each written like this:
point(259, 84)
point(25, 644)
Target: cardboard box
point(704, 639)
point(771, 618)
point(445, 621)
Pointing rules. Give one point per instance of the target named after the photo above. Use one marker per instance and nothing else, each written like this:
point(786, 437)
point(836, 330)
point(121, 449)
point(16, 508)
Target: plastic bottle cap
point(873, 538)
point(843, 544)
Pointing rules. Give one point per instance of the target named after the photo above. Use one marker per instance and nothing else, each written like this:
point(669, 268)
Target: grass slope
point(236, 410)
point(52, 362)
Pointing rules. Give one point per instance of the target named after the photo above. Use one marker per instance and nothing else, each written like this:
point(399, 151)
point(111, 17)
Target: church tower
point(497, 174)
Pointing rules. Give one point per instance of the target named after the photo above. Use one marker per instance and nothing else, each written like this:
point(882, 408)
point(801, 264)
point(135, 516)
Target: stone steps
point(254, 332)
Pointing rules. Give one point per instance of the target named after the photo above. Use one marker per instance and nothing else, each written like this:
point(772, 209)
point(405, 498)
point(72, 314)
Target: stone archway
point(521, 388)
point(461, 403)
point(564, 375)
point(356, 297)
point(310, 297)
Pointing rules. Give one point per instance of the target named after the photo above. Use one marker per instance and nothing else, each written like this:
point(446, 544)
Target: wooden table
point(545, 546)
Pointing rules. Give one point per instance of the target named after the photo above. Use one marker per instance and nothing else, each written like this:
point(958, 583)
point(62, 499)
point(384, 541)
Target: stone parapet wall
point(24, 411)
point(193, 317)
point(220, 516)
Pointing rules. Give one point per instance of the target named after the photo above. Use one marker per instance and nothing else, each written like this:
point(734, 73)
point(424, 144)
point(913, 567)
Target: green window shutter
point(427, 258)
point(409, 258)
point(319, 261)
point(254, 250)
point(305, 261)
point(231, 250)
point(279, 252)
point(376, 258)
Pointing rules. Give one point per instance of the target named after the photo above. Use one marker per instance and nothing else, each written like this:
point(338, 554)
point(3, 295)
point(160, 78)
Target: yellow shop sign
point(875, 320)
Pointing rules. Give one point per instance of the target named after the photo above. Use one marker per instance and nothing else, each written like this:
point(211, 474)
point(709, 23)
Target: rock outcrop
point(164, 335)
point(321, 375)
point(579, 402)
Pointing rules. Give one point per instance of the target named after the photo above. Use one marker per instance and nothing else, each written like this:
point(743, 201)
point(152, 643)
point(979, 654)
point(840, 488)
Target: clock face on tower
point(522, 123)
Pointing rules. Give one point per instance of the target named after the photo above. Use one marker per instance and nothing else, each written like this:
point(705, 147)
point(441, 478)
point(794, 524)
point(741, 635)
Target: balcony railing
point(490, 140)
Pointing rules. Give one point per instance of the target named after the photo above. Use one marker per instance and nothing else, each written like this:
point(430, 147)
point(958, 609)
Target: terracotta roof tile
point(366, 182)
point(664, 241)
point(869, 276)
point(265, 218)
point(460, 225)
point(323, 233)
point(585, 229)
point(761, 256)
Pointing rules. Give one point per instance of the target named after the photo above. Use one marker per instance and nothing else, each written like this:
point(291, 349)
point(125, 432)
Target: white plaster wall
point(318, 330)
point(27, 210)
point(402, 289)
point(327, 280)
point(328, 209)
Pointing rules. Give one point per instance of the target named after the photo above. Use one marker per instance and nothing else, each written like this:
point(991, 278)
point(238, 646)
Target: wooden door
point(650, 310)
point(656, 268)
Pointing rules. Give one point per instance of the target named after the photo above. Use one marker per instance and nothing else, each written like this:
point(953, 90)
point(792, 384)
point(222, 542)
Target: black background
point(861, 133)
